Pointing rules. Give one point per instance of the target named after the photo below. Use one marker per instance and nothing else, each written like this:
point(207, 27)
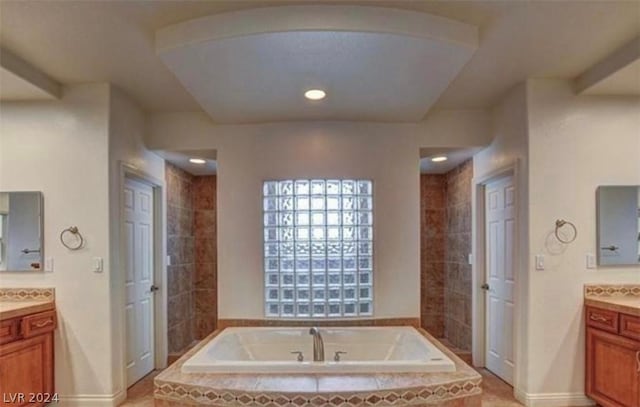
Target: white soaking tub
point(368, 350)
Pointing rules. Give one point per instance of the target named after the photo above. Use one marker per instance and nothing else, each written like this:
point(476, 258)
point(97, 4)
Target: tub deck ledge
point(461, 388)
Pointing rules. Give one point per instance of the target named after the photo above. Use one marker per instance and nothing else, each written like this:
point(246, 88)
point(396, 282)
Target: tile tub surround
point(461, 388)
point(495, 392)
point(618, 298)
point(237, 323)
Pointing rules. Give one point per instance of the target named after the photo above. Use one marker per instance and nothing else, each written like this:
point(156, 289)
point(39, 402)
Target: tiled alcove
point(445, 209)
point(192, 248)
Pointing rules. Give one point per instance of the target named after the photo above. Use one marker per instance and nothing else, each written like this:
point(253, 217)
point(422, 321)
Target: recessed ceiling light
point(439, 159)
point(197, 161)
point(315, 94)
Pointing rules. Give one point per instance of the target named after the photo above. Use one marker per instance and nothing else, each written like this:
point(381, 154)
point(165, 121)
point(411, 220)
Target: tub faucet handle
point(300, 355)
point(336, 356)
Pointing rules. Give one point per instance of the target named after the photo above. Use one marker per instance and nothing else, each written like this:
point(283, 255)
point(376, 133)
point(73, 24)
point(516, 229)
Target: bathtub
point(368, 350)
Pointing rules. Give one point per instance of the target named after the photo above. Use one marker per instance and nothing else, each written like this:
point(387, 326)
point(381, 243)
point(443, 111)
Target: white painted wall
point(61, 148)
point(575, 144)
point(70, 150)
point(248, 154)
point(508, 151)
point(127, 125)
point(566, 146)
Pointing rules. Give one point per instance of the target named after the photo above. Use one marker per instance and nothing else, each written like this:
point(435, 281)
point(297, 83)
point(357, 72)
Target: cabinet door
point(612, 377)
point(26, 367)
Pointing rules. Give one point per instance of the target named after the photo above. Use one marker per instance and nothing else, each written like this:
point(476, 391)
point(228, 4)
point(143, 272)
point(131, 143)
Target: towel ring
point(559, 224)
point(74, 231)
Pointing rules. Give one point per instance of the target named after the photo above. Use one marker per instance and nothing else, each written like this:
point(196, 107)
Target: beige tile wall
point(191, 244)
point(206, 255)
point(457, 270)
point(181, 249)
point(445, 241)
point(432, 248)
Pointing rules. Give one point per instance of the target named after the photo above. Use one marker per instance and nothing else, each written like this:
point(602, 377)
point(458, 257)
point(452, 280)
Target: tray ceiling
point(375, 65)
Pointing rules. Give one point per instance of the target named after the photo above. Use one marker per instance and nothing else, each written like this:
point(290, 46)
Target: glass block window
point(318, 248)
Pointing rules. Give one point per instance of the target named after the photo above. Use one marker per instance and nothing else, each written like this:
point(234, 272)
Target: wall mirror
point(21, 231)
point(618, 210)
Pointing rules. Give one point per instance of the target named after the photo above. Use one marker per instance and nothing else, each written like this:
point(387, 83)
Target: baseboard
point(552, 399)
point(92, 400)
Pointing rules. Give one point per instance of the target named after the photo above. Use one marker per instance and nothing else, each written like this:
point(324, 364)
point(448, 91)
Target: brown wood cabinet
point(613, 358)
point(26, 360)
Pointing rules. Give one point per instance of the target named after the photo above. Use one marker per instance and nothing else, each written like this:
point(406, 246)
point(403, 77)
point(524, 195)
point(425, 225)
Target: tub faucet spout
point(318, 345)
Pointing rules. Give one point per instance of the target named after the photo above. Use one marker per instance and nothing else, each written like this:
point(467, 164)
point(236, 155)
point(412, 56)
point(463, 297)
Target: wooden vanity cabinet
point(26, 360)
point(613, 358)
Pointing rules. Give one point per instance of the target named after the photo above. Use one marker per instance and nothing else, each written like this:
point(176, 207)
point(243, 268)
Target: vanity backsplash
point(27, 294)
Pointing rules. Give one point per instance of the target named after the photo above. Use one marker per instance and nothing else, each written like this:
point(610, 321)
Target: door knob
point(485, 287)
point(154, 288)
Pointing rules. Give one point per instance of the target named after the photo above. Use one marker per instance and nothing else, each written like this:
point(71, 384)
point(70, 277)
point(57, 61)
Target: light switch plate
point(471, 260)
point(539, 262)
point(591, 261)
point(48, 264)
point(97, 264)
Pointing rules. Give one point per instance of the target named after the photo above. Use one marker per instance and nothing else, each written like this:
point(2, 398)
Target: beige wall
point(247, 155)
point(508, 151)
point(390, 162)
point(575, 144)
point(563, 146)
point(70, 149)
point(61, 148)
point(127, 125)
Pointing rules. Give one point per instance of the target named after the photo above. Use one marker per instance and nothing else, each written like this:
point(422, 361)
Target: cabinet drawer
point(602, 319)
point(630, 326)
point(37, 324)
point(9, 331)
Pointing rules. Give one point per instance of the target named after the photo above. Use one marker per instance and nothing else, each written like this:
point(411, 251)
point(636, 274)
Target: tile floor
point(496, 393)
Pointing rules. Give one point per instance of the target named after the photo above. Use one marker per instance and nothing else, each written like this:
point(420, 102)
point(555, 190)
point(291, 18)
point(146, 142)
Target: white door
point(138, 241)
point(500, 227)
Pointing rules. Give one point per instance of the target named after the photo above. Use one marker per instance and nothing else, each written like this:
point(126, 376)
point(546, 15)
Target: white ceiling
point(375, 64)
point(80, 41)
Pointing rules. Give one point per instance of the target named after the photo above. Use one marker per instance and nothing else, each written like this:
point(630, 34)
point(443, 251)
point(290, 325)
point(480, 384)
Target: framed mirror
point(21, 231)
point(618, 210)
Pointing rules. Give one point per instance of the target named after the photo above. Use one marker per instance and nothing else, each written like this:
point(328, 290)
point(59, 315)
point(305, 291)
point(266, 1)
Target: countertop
point(624, 304)
point(13, 309)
